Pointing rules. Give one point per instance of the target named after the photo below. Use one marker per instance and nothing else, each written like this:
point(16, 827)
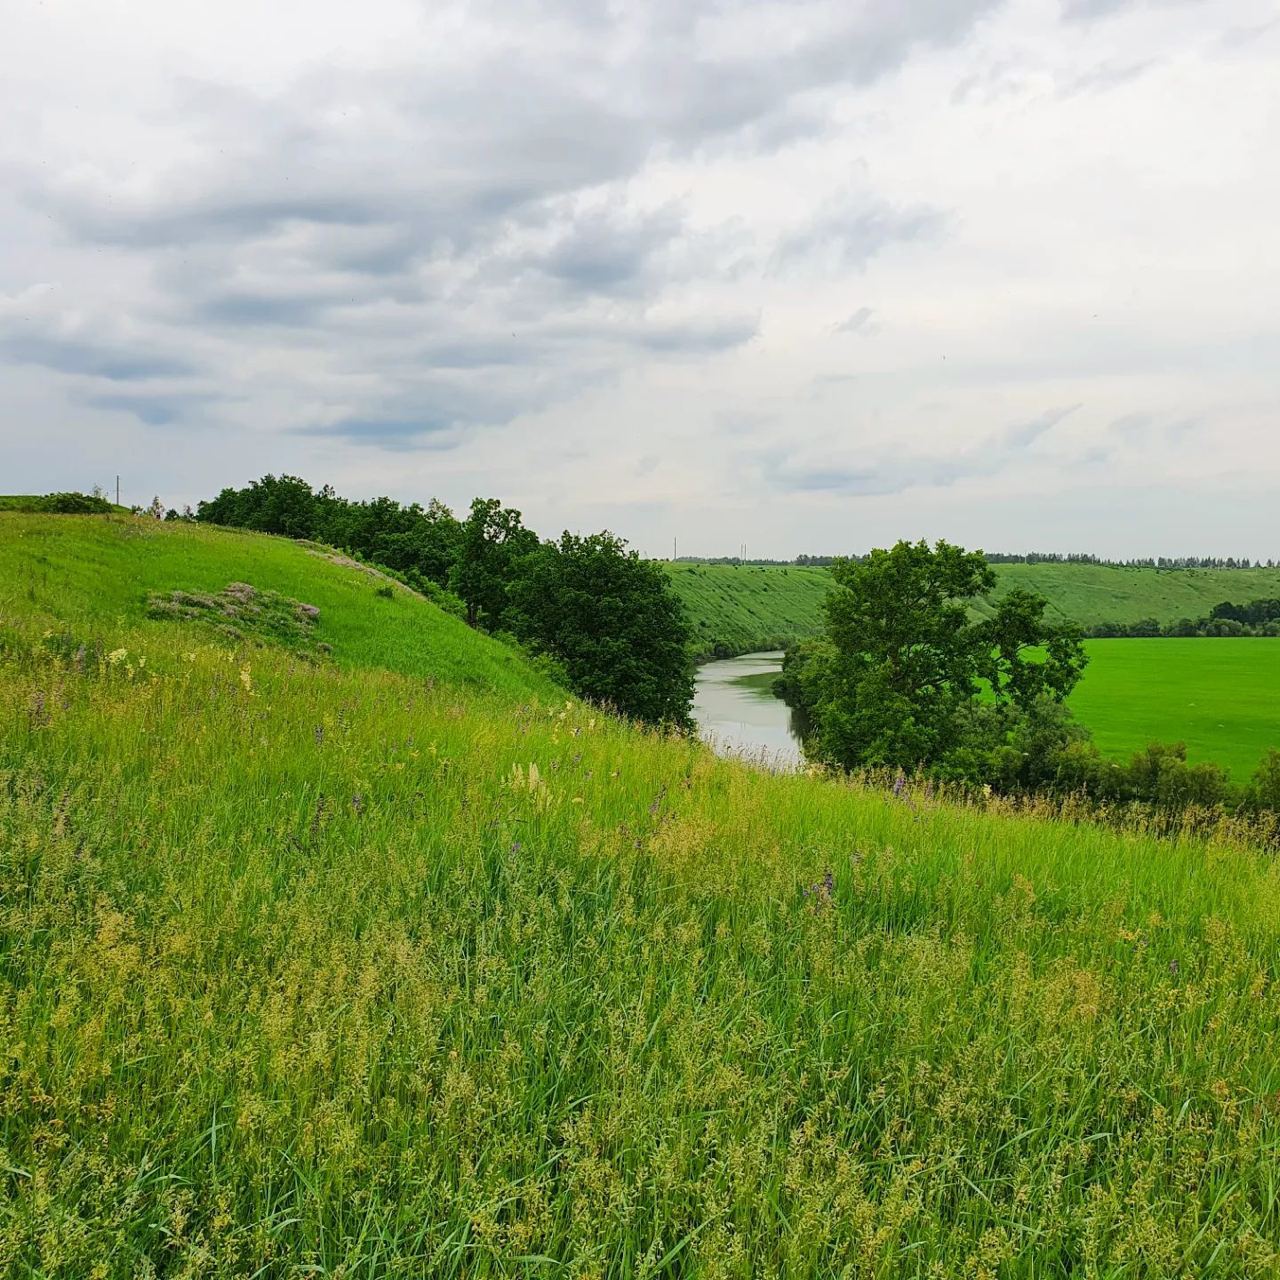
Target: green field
point(1221, 697)
point(403, 964)
point(756, 607)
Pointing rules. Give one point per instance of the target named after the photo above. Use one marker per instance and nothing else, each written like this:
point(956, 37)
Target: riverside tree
point(611, 620)
point(899, 676)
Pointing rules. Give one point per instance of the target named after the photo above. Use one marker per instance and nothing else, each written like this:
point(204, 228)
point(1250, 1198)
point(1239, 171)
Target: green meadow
point(402, 963)
point(1219, 696)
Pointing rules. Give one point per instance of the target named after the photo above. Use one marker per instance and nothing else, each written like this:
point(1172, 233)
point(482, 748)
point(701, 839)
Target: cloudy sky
point(804, 274)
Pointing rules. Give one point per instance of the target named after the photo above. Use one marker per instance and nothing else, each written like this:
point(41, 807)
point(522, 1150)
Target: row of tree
point(1254, 618)
point(604, 617)
point(906, 679)
point(1027, 557)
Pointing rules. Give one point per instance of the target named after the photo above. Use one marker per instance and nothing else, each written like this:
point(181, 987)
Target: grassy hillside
point(338, 970)
point(756, 607)
point(91, 571)
point(1091, 594)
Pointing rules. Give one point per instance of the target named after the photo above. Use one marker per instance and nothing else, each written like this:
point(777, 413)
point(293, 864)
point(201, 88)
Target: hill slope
point(739, 610)
point(321, 969)
point(91, 570)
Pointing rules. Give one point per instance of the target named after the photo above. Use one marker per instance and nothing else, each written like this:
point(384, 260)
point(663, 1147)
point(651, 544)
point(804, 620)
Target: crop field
point(401, 964)
point(1221, 697)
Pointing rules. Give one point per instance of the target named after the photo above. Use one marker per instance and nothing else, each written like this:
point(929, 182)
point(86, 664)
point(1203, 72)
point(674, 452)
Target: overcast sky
point(810, 276)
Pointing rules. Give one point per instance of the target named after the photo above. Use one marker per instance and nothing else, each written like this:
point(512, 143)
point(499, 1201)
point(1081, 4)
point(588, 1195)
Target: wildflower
point(357, 802)
point(823, 890)
point(116, 657)
point(899, 783)
point(246, 679)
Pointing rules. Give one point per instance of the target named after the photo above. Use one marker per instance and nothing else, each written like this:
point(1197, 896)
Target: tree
point(611, 620)
point(491, 540)
point(905, 659)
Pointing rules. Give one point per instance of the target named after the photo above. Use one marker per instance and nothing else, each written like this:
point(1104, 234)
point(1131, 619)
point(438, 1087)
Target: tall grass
point(333, 970)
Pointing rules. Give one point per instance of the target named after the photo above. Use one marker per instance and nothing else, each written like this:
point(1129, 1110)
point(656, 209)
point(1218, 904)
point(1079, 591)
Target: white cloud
point(550, 251)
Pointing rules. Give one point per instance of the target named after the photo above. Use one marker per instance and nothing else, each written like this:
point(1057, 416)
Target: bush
point(71, 503)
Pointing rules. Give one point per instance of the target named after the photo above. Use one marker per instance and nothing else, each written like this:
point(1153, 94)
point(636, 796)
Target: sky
point(804, 275)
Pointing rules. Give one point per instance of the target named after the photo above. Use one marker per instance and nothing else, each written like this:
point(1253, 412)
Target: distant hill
point(740, 609)
point(745, 608)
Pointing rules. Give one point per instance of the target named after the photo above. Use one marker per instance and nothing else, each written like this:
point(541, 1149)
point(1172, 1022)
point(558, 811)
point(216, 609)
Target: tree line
point(603, 620)
point(905, 679)
point(1254, 618)
point(1024, 557)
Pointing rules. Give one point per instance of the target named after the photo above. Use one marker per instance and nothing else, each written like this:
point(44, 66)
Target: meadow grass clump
point(337, 970)
point(241, 612)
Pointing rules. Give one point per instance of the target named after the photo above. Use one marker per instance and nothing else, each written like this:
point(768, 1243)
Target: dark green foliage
point(241, 612)
point(491, 542)
point(72, 503)
point(1254, 618)
point(589, 613)
point(898, 679)
point(419, 543)
point(612, 622)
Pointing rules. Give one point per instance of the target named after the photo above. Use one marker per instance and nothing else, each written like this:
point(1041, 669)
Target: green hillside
point(400, 964)
point(753, 607)
point(77, 571)
point(1090, 594)
point(740, 610)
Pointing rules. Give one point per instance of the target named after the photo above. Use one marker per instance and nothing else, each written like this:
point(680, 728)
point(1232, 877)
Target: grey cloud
point(429, 431)
point(94, 359)
point(248, 310)
point(160, 409)
point(1023, 435)
point(610, 251)
point(851, 231)
point(407, 218)
point(1088, 10)
point(698, 338)
point(898, 473)
point(858, 322)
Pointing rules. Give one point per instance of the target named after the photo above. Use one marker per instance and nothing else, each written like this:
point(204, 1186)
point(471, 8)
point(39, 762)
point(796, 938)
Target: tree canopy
point(611, 619)
point(905, 663)
point(608, 620)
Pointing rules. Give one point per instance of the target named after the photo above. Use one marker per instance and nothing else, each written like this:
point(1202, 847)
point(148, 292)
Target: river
point(744, 720)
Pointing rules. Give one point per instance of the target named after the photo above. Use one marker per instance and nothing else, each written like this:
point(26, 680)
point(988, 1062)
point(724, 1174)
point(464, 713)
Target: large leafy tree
point(613, 623)
point(491, 541)
point(907, 654)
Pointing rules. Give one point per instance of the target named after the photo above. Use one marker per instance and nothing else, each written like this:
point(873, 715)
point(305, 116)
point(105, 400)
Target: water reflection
point(746, 720)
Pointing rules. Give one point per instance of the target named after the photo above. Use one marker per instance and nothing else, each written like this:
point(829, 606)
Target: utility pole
point(117, 491)
point(675, 552)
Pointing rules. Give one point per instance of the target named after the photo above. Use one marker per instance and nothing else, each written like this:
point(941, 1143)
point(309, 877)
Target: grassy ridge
point(93, 571)
point(751, 608)
point(1090, 594)
point(308, 969)
point(763, 607)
